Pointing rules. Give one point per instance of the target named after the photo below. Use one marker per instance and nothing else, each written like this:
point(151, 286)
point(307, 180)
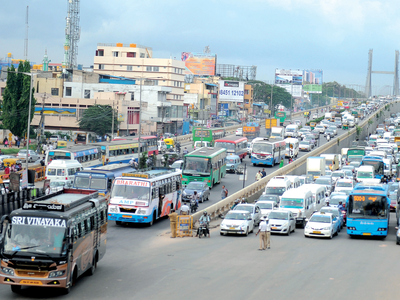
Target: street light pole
point(29, 121)
point(140, 121)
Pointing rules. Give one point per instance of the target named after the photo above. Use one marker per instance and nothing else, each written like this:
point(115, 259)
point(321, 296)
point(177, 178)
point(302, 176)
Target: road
point(144, 263)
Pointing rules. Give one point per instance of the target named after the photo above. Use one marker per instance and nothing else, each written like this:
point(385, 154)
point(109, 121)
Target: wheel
point(294, 229)
point(304, 224)
point(254, 164)
point(208, 198)
point(202, 200)
point(221, 233)
point(118, 222)
point(288, 232)
point(247, 232)
point(72, 283)
point(331, 236)
point(93, 267)
point(152, 220)
point(16, 288)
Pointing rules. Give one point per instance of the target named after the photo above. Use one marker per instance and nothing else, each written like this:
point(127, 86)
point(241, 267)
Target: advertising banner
point(289, 77)
point(199, 63)
point(232, 91)
point(312, 88)
point(294, 90)
point(312, 77)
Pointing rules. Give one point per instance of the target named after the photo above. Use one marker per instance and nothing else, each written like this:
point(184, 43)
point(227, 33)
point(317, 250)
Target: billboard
point(290, 77)
point(232, 91)
point(312, 88)
point(199, 63)
point(294, 90)
point(312, 77)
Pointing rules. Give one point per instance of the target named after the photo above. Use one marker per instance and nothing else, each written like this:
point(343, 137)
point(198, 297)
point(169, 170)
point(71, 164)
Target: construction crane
point(72, 35)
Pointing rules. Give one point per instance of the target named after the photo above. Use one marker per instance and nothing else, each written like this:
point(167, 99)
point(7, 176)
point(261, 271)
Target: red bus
point(149, 143)
point(235, 144)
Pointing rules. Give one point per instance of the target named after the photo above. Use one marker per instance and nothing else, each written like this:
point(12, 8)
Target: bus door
point(219, 170)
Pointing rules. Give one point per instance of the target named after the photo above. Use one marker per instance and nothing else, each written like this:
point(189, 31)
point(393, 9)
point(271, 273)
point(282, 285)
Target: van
point(200, 144)
point(293, 144)
point(365, 173)
point(63, 170)
point(295, 181)
point(278, 185)
point(300, 202)
point(161, 146)
point(292, 131)
point(232, 162)
point(332, 160)
point(319, 194)
point(343, 151)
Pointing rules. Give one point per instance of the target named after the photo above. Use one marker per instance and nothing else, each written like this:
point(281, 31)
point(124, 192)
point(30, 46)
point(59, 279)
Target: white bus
point(145, 196)
point(88, 156)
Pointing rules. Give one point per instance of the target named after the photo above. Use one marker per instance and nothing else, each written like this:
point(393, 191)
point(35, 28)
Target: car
point(32, 155)
point(202, 190)
point(337, 175)
point(232, 163)
point(344, 184)
point(338, 124)
point(334, 128)
point(325, 180)
point(303, 132)
point(315, 133)
point(330, 132)
point(305, 179)
point(237, 222)
point(310, 138)
point(54, 138)
point(306, 145)
point(348, 174)
point(320, 128)
point(269, 197)
point(349, 167)
point(253, 209)
point(59, 185)
point(314, 116)
point(282, 222)
point(239, 132)
point(335, 211)
point(336, 197)
point(393, 202)
point(393, 187)
point(4, 157)
point(298, 123)
point(356, 165)
point(321, 225)
point(177, 165)
point(266, 207)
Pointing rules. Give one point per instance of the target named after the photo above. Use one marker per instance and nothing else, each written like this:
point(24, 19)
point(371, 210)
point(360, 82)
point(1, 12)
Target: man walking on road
point(224, 192)
point(263, 173)
point(265, 230)
point(173, 217)
point(258, 175)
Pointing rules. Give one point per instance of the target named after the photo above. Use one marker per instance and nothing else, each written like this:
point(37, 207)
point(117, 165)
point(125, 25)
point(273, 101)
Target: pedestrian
point(262, 229)
point(5, 142)
point(185, 209)
point(263, 173)
point(258, 175)
point(172, 218)
point(224, 192)
point(282, 163)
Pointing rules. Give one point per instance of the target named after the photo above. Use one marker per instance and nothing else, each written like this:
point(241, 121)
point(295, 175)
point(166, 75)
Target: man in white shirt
point(185, 209)
point(265, 230)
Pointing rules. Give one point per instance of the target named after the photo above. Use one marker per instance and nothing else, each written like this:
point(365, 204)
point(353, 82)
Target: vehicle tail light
point(66, 178)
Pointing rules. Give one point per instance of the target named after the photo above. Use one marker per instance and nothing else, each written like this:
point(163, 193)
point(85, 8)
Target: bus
point(204, 164)
point(143, 197)
point(100, 178)
point(88, 156)
point(233, 145)
point(355, 154)
point(268, 153)
point(368, 210)
point(207, 134)
point(119, 151)
point(148, 142)
point(53, 240)
point(281, 116)
point(377, 163)
point(81, 138)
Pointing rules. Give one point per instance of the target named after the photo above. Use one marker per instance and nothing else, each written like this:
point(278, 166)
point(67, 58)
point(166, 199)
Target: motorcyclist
point(178, 147)
point(235, 204)
point(205, 218)
point(185, 151)
point(340, 206)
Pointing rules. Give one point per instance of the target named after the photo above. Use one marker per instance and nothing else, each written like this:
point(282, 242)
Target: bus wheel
point(94, 266)
point(72, 283)
point(16, 288)
point(118, 222)
point(152, 220)
point(254, 164)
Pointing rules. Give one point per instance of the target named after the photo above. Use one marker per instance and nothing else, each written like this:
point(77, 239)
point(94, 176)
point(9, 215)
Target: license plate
point(125, 216)
point(317, 232)
point(366, 233)
point(232, 228)
point(31, 282)
point(274, 228)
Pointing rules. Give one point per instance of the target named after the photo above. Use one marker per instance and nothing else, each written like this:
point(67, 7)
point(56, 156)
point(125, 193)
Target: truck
point(53, 239)
point(328, 116)
point(251, 130)
point(277, 133)
point(269, 123)
point(316, 166)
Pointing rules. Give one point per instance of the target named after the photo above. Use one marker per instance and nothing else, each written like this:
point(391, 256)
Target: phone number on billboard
point(231, 93)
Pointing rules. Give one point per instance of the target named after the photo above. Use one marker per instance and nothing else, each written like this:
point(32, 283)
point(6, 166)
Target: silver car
point(32, 155)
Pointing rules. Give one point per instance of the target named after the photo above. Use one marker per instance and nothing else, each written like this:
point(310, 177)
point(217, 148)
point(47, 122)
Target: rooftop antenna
point(72, 35)
point(26, 35)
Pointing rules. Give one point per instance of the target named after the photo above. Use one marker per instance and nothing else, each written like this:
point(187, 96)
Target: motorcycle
point(193, 206)
point(328, 137)
point(203, 229)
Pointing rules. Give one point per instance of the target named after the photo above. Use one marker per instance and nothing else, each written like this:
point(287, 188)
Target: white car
point(343, 185)
point(320, 128)
point(266, 207)
point(253, 209)
point(177, 165)
point(237, 222)
point(239, 131)
point(282, 222)
point(321, 225)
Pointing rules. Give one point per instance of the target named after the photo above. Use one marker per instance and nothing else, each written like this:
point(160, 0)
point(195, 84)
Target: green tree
point(15, 106)
point(262, 93)
point(98, 119)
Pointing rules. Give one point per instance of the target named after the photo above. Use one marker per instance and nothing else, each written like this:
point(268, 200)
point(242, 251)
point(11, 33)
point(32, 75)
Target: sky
point(332, 35)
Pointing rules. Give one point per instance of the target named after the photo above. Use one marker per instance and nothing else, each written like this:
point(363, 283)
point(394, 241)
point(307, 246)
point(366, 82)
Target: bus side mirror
point(70, 246)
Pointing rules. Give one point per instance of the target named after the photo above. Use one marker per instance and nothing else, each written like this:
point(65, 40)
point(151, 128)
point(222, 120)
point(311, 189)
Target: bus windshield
point(275, 190)
point(362, 174)
point(291, 203)
point(367, 206)
point(131, 192)
point(61, 155)
point(262, 148)
point(196, 165)
point(227, 146)
point(378, 165)
point(36, 235)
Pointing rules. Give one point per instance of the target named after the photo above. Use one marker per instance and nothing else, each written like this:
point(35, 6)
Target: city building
point(248, 98)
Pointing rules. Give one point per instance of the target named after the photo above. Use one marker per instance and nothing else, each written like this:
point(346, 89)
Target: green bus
point(207, 134)
point(204, 164)
point(355, 154)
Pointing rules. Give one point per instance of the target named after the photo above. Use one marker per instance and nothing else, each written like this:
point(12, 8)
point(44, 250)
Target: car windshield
point(262, 148)
point(334, 212)
point(278, 215)
point(336, 199)
point(176, 164)
point(320, 219)
point(195, 186)
point(196, 165)
point(237, 216)
point(304, 143)
point(334, 174)
point(344, 184)
point(244, 207)
point(291, 203)
point(289, 129)
point(38, 235)
point(231, 160)
point(275, 190)
point(267, 197)
point(323, 181)
point(265, 205)
point(363, 174)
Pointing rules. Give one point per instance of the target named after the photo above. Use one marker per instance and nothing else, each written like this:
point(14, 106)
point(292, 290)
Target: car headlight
point(56, 274)
point(113, 209)
point(7, 271)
